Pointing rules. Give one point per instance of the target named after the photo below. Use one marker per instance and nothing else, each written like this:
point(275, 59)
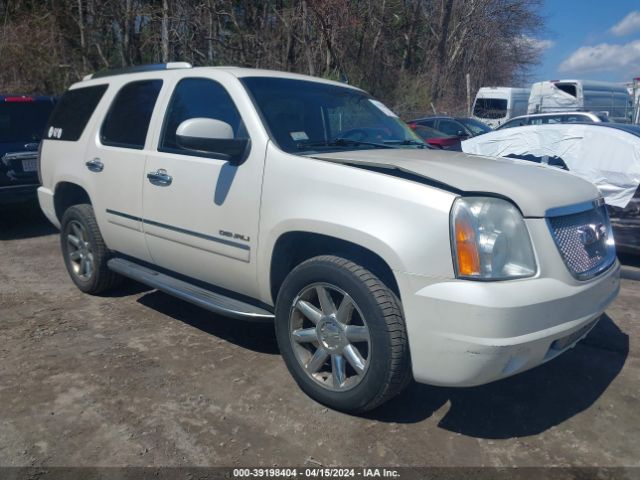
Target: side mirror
point(462, 133)
point(213, 138)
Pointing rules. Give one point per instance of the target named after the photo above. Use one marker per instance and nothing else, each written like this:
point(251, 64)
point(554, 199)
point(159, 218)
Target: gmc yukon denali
point(271, 196)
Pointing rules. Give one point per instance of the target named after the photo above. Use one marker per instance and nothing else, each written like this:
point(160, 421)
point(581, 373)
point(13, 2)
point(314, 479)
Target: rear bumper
point(45, 198)
point(465, 333)
point(17, 194)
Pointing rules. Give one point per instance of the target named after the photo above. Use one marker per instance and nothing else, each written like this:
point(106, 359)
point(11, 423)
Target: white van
point(496, 105)
point(586, 95)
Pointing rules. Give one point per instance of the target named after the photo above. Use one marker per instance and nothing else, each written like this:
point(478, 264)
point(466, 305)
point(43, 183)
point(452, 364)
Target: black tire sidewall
point(77, 214)
point(378, 372)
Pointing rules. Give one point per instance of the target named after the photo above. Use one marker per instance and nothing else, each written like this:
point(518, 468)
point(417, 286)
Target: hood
point(534, 188)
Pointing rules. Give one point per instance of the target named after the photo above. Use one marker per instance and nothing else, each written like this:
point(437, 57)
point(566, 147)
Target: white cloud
point(537, 43)
point(604, 57)
point(628, 25)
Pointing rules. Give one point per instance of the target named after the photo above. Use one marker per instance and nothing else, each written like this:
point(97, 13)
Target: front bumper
point(17, 194)
point(465, 333)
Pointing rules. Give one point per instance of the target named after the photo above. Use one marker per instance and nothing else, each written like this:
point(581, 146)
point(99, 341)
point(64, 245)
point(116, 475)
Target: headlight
point(490, 240)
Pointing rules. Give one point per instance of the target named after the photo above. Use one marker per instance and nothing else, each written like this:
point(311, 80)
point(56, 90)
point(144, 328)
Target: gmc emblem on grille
point(592, 233)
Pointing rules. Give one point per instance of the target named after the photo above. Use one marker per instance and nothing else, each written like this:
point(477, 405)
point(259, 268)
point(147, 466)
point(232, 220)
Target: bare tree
point(410, 53)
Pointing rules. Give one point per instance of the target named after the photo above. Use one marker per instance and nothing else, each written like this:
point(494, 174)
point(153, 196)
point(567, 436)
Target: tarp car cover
point(607, 157)
point(547, 97)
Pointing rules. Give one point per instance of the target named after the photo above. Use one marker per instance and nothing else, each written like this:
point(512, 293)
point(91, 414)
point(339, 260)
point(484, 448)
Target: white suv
point(263, 195)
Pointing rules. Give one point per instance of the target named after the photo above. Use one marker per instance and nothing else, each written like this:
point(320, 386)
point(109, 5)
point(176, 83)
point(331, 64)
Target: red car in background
point(436, 138)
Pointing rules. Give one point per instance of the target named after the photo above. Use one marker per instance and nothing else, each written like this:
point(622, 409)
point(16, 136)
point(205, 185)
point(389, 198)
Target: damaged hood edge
point(535, 189)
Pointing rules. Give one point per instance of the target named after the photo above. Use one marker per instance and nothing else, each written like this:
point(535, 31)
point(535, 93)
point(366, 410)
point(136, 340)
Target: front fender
point(405, 223)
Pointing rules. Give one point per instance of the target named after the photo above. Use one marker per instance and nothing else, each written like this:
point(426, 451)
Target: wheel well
point(293, 248)
point(68, 194)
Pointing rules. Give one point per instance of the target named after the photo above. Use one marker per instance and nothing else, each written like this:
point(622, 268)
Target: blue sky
point(590, 39)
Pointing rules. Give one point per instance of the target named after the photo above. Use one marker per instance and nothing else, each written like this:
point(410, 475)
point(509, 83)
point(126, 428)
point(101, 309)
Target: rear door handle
point(95, 165)
point(160, 178)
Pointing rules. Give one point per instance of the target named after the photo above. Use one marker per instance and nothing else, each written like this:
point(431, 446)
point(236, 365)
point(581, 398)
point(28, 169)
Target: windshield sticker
point(299, 136)
point(383, 108)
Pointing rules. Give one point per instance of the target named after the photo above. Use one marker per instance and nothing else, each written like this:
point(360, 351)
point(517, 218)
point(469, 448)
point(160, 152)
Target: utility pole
point(636, 100)
point(468, 95)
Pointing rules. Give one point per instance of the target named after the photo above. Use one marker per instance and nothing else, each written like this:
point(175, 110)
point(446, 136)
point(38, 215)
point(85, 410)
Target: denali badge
point(236, 236)
point(592, 233)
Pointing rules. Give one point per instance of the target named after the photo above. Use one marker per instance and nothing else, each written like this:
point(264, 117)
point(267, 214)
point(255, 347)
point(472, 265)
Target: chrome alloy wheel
point(79, 250)
point(332, 344)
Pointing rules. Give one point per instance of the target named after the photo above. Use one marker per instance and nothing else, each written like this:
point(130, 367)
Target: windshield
point(308, 116)
point(476, 127)
point(23, 121)
point(490, 108)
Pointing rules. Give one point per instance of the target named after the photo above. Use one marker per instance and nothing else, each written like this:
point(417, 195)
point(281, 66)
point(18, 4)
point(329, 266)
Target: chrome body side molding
point(214, 302)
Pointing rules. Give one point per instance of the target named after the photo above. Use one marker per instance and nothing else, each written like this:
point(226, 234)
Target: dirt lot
point(138, 378)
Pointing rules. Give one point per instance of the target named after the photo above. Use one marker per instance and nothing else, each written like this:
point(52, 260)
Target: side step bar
point(206, 299)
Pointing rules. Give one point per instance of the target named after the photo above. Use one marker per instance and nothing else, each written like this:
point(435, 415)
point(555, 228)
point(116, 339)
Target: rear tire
point(342, 334)
point(84, 251)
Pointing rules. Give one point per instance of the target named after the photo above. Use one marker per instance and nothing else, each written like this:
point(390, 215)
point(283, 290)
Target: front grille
point(585, 241)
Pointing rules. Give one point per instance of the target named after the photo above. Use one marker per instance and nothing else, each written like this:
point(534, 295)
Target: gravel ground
point(139, 378)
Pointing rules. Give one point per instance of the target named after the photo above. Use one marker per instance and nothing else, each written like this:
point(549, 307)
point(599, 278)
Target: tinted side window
point(127, 121)
point(557, 119)
point(449, 127)
point(577, 118)
point(515, 123)
point(428, 123)
point(199, 98)
point(72, 113)
point(568, 88)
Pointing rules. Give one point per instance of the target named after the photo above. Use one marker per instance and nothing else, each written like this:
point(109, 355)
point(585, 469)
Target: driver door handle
point(160, 178)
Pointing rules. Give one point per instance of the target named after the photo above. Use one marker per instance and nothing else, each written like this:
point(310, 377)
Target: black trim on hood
point(394, 171)
point(403, 174)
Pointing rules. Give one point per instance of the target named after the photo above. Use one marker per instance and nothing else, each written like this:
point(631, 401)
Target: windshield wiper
point(406, 142)
point(343, 142)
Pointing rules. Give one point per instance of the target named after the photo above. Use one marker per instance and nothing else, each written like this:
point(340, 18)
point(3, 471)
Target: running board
point(214, 302)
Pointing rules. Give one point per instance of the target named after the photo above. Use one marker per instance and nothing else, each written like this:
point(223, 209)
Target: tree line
point(413, 54)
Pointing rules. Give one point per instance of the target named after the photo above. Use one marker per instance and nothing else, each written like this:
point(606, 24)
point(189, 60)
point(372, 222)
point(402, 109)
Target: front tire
point(342, 334)
point(84, 251)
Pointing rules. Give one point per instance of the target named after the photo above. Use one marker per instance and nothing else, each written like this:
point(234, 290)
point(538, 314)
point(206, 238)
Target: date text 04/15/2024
point(315, 473)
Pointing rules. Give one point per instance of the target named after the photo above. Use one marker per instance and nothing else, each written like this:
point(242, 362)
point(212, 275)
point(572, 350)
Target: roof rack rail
point(138, 68)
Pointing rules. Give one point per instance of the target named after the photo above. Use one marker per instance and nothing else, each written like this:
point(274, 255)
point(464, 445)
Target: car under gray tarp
point(607, 157)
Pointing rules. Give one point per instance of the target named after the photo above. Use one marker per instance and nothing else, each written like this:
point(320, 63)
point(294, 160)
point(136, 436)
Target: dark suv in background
point(22, 121)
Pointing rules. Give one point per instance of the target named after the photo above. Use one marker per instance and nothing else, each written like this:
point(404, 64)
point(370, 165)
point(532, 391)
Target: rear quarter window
point(72, 112)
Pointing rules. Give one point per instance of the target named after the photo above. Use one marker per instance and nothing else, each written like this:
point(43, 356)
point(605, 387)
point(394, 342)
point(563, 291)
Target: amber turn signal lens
point(466, 249)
